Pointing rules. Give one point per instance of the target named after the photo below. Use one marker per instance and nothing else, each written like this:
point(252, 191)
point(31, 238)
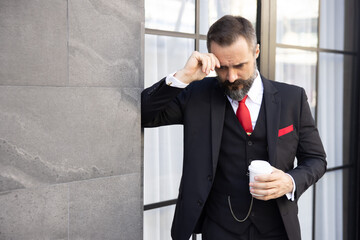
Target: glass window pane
point(202, 46)
point(170, 15)
point(297, 22)
point(212, 10)
point(157, 223)
point(162, 163)
point(331, 202)
point(163, 146)
point(305, 204)
point(337, 21)
point(333, 118)
point(164, 55)
point(298, 67)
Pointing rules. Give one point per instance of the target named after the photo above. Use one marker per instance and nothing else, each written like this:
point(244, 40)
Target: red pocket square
point(286, 130)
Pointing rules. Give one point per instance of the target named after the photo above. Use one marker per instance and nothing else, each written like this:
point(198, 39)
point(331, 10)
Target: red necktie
point(243, 115)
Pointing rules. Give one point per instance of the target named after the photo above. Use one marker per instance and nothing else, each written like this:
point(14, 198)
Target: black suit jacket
point(200, 107)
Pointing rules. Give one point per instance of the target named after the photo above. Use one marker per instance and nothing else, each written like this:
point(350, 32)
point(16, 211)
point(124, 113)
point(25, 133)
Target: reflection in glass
point(298, 67)
point(337, 21)
point(297, 22)
point(202, 46)
point(329, 205)
point(163, 157)
point(170, 15)
point(163, 146)
point(212, 10)
point(164, 55)
point(334, 75)
point(157, 223)
point(305, 204)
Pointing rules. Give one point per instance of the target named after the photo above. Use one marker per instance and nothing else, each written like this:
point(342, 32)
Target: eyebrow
point(237, 65)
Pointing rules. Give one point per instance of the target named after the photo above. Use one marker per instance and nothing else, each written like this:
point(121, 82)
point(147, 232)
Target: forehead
point(237, 52)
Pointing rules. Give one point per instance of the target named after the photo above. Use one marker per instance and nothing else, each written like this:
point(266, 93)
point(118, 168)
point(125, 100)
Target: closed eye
point(223, 67)
point(239, 65)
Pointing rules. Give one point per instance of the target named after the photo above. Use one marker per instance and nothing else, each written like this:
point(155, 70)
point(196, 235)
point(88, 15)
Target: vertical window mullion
point(197, 47)
point(197, 25)
point(316, 115)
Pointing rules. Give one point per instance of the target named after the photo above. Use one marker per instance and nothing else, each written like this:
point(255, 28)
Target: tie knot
point(244, 99)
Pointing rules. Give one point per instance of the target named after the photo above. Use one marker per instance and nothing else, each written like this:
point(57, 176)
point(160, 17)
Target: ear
point(257, 51)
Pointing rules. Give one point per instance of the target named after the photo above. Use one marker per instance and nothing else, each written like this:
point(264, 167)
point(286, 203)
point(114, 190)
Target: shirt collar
point(257, 89)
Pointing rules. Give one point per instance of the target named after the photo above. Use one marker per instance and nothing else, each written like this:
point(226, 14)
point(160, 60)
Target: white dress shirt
point(253, 103)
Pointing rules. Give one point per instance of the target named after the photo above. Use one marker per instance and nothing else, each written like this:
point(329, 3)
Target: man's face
point(238, 67)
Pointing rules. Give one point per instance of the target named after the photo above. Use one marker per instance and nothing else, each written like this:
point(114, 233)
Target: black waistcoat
point(231, 179)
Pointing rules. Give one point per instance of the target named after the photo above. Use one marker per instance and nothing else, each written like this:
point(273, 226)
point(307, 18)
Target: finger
point(195, 61)
point(264, 194)
point(218, 65)
point(209, 64)
point(261, 185)
point(265, 178)
point(275, 175)
point(204, 62)
point(213, 61)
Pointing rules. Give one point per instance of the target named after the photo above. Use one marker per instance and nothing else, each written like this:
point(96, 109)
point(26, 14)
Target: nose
point(231, 75)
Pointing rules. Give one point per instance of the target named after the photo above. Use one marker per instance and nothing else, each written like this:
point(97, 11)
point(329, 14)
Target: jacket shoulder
point(286, 89)
point(208, 82)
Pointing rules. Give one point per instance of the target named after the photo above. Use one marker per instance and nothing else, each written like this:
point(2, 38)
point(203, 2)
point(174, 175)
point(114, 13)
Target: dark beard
point(234, 91)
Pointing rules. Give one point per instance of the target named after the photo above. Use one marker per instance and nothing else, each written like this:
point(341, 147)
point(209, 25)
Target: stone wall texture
point(71, 73)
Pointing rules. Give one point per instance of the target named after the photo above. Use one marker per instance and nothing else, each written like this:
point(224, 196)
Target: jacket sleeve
point(310, 153)
point(162, 105)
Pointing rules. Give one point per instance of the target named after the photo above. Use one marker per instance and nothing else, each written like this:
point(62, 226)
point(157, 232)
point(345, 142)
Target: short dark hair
point(228, 29)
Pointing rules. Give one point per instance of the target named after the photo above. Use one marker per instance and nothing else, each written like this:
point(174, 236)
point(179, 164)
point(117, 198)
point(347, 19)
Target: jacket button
point(250, 143)
point(209, 177)
point(200, 203)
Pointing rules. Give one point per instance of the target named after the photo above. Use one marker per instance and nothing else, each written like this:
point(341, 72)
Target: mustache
point(235, 84)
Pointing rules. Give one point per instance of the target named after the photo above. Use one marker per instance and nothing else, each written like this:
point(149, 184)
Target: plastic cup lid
point(260, 166)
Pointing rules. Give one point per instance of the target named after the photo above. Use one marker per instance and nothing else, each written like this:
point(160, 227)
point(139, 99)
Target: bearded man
point(229, 121)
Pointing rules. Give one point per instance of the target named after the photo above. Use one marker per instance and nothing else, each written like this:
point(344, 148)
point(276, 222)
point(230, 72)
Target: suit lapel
point(273, 108)
point(218, 102)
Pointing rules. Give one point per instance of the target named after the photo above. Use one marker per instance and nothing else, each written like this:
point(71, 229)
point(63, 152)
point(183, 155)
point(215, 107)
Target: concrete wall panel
point(104, 208)
point(70, 139)
point(53, 135)
point(104, 43)
point(40, 213)
point(33, 42)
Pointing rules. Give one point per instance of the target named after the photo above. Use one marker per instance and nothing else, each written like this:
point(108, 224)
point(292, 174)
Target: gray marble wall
point(71, 72)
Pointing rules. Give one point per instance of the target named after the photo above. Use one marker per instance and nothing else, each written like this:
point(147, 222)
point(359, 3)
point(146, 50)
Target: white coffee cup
point(258, 167)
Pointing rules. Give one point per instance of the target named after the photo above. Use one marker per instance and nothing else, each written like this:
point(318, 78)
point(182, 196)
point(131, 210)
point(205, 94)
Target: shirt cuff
point(291, 195)
point(174, 82)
